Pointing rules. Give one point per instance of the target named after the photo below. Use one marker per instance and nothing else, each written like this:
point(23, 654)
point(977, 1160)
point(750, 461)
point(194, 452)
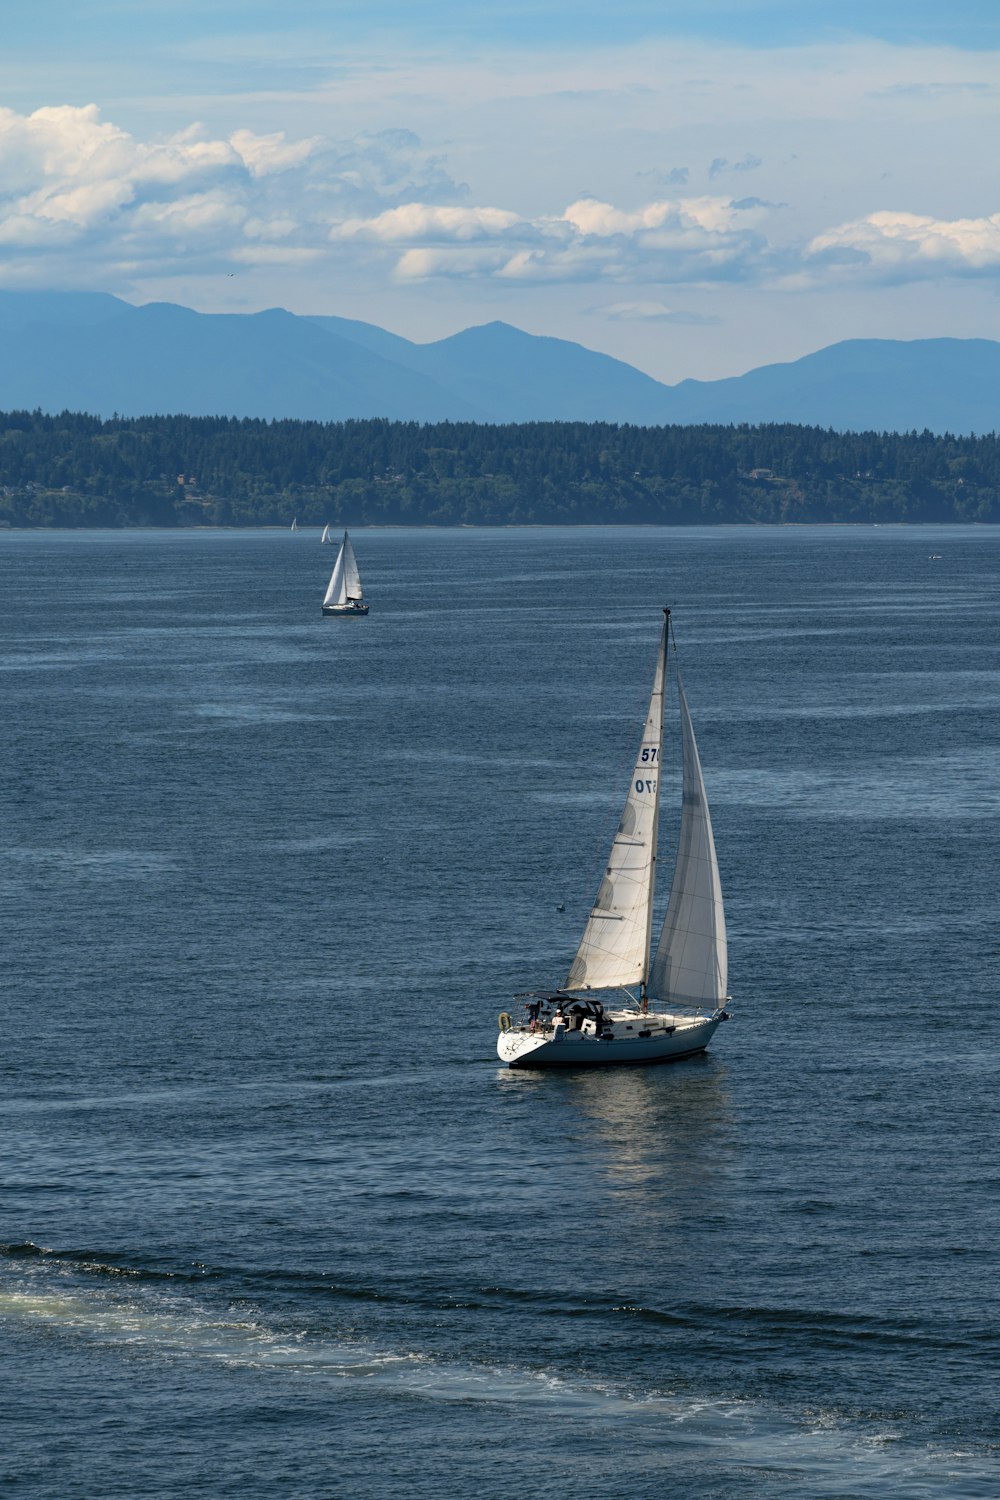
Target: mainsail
point(690, 964)
point(345, 582)
point(326, 534)
point(614, 949)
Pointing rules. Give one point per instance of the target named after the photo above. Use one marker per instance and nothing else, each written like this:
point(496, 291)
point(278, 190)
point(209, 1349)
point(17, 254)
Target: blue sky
point(88, 30)
point(697, 188)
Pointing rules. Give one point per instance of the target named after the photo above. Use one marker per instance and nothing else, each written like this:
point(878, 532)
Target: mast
point(614, 949)
point(654, 839)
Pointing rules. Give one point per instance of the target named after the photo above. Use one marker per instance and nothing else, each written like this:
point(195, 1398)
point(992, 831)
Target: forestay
point(690, 965)
point(614, 949)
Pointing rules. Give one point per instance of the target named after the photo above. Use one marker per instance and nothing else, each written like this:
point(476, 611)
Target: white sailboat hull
point(669, 1039)
point(353, 608)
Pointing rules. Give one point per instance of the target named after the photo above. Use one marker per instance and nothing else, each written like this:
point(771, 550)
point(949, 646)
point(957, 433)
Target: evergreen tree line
point(77, 470)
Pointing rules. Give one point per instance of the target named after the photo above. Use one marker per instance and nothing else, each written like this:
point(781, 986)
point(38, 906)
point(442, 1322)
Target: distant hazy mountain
point(861, 385)
point(92, 352)
point(510, 376)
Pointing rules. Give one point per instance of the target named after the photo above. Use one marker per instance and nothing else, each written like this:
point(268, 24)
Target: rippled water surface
point(273, 1219)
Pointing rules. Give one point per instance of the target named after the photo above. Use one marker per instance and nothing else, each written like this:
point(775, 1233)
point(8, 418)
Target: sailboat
point(623, 1002)
point(344, 594)
point(326, 537)
point(295, 524)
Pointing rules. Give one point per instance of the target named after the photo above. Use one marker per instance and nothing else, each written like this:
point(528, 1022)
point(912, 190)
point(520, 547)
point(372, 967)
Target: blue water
point(274, 1220)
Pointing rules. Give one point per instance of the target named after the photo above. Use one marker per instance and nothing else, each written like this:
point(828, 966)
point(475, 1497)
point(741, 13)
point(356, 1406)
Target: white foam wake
point(166, 1325)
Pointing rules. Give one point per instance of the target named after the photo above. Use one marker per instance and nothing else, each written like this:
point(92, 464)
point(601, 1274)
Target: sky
point(698, 187)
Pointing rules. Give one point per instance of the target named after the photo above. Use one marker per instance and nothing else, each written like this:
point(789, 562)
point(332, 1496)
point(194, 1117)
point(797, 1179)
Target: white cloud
point(80, 205)
point(57, 144)
point(264, 154)
point(81, 199)
point(269, 229)
point(202, 215)
point(70, 175)
point(693, 239)
point(575, 262)
point(589, 216)
point(424, 221)
point(22, 232)
point(716, 215)
point(651, 312)
point(905, 246)
point(422, 265)
point(696, 240)
point(70, 179)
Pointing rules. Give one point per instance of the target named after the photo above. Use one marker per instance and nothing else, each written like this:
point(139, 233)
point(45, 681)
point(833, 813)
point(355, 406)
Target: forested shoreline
point(74, 470)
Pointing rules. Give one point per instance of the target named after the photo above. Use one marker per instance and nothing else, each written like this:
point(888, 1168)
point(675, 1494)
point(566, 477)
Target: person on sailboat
point(533, 1007)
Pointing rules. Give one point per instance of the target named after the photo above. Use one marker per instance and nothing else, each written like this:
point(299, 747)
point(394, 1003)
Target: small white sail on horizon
point(326, 535)
point(295, 525)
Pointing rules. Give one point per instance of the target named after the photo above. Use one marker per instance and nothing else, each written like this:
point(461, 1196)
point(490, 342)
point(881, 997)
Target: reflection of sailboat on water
point(687, 971)
point(623, 1118)
point(344, 594)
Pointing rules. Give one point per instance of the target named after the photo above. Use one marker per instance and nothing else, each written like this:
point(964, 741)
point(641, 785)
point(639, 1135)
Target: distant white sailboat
point(344, 594)
point(326, 537)
point(682, 985)
point(295, 524)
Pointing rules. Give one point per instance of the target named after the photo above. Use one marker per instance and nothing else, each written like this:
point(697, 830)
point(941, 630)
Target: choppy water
point(274, 1221)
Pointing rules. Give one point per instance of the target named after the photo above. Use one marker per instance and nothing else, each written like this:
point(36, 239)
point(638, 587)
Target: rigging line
point(670, 626)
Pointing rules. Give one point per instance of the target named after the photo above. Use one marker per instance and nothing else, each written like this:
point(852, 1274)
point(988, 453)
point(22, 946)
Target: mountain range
point(89, 351)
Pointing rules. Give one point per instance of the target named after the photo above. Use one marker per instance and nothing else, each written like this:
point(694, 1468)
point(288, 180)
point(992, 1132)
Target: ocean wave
point(57, 1292)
